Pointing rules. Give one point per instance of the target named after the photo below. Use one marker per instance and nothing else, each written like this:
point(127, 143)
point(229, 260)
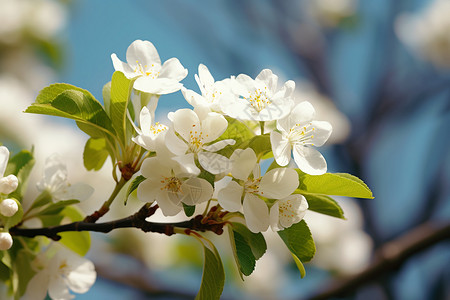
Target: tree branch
point(389, 257)
point(137, 220)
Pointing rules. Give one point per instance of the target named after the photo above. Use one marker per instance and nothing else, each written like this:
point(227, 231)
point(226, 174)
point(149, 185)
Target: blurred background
point(379, 71)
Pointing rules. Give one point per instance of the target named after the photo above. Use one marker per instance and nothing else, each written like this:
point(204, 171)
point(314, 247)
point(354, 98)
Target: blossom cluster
point(191, 148)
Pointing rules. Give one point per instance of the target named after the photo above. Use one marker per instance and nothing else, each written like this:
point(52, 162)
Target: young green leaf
point(324, 205)
point(243, 254)
point(261, 145)
point(256, 241)
point(120, 94)
point(95, 154)
point(299, 241)
point(23, 267)
point(213, 278)
point(133, 186)
point(189, 210)
point(56, 208)
point(338, 184)
point(78, 242)
point(237, 131)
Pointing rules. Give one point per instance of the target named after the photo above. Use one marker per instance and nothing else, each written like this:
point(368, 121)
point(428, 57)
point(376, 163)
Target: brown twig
point(137, 220)
point(389, 257)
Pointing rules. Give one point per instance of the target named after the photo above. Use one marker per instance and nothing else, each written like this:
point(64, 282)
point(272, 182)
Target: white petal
point(155, 167)
point(202, 110)
point(243, 162)
point(268, 78)
point(302, 113)
point(309, 160)
point(173, 69)
point(293, 209)
point(219, 145)
point(167, 204)
point(278, 183)
point(57, 289)
point(186, 165)
point(145, 142)
point(230, 196)
point(8, 184)
point(243, 85)
point(159, 86)
point(144, 53)
point(6, 241)
point(8, 207)
point(149, 189)
point(322, 131)
point(205, 76)
point(185, 121)
point(193, 98)
point(82, 276)
point(214, 163)
point(281, 148)
point(123, 67)
point(37, 286)
point(213, 126)
point(145, 120)
point(176, 145)
point(274, 215)
point(4, 157)
point(196, 190)
point(256, 213)
point(79, 191)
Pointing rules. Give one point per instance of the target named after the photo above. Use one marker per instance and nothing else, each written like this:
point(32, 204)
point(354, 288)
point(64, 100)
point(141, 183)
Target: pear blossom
point(8, 207)
point(143, 62)
point(259, 99)
point(9, 183)
point(251, 186)
point(197, 129)
point(287, 211)
point(172, 182)
point(57, 274)
point(6, 241)
point(149, 135)
point(55, 181)
point(298, 133)
point(212, 92)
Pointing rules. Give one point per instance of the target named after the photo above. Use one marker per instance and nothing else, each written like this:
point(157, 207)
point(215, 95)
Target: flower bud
point(8, 184)
point(6, 241)
point(8, 207)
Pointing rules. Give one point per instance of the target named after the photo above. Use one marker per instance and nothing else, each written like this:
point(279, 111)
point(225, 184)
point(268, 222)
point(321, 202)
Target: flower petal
point(196, 190)
point(204, 76)
point(281, 148)
point(243, 162)
point(186, 165)
point(322, 131)
point(145, 120)
point(173, 69)
point(219, 145)
point(278, 183)
point(159, 86)
point(309, 160)
point(82, 276)
point(185, 121)
point(256, 213)
point(80, 191)
point(230, 196)
point(149, 190)
point(214, 163)
point(155, 167)
point(8, 184)
point(169, 203)
point(144, 53)
point(57, 289)
point(176, 145)
point(37, 286)
point(123, 67)
point(303, 112)
point(4, 157)
point(268, 78)
point(213, 126)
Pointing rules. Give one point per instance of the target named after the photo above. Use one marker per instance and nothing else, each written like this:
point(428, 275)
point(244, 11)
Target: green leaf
point(256, 241)
point(213, 278)
point(20, 165)
point(120, 94)
point(207, 176)
point(79, 242)
point(5, 272)
point(299, 241)
point(22, 266)
point(245, 259)
point(95, 154)
point(189, 210)
point(106, 94)
point(237, 131)
point(324, 205)
point(300, 266)
point(133, 186)
point(56, 208)
point(261, 145)
point(44, 198)
point(14, 219)
point(67, 101)
point(338, 184)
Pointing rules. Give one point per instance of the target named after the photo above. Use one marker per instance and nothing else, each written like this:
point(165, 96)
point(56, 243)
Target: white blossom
point(9, 183)
point(259, 99)
point(287, 211)
point(143, 62)
point(57, 274)
point(6, 241)
point(8, 207)
point(150, 135)
point(298, 133)
point(55, 181)
point(197, 131)
point(276, 184)
point(172, 182)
